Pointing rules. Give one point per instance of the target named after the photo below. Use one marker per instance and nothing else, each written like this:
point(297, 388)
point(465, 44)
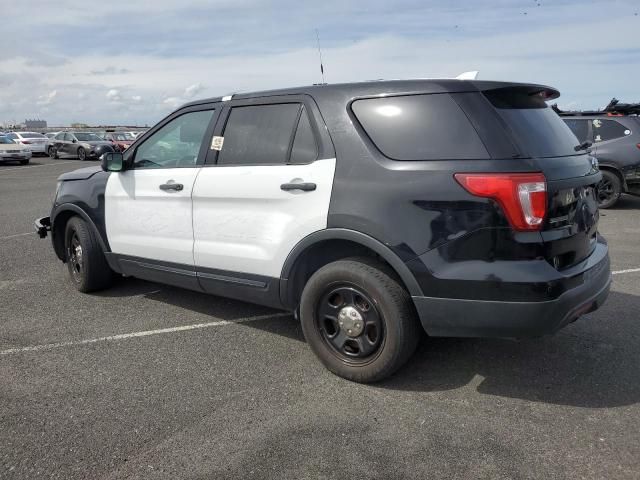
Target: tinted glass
point(259, 134)
point(87, 137)
point(68, 137)
point(537, 129)
point(419, 127)
point(304, 148)
point(12, 136)
point(31, 135)
point(580, 129)
point(604, 130)
point(177, 144)
point(59, 136)
point(5, 140)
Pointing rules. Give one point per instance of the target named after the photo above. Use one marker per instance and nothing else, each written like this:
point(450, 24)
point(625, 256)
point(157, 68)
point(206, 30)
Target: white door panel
point(144, 221)
point(244, 222)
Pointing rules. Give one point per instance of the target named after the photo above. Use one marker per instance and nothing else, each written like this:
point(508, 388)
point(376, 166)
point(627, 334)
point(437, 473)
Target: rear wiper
point(582, 146)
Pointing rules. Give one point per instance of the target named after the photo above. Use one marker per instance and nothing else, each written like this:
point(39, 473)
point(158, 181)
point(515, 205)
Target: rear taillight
point(25, 142)
point(638, 145)
point(522, 196)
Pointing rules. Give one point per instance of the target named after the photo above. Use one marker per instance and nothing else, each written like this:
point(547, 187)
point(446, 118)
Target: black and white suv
point(372, 210)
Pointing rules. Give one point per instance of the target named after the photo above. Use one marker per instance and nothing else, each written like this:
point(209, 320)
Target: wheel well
point(57, 232)
point(614, 170)
point(320, 254)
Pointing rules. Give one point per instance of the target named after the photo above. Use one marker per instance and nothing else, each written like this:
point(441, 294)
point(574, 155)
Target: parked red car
point(120, 140)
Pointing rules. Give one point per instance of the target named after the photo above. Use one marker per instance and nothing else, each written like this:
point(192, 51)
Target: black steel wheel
point(87, 266)
point(82, 154)
point(358, 319)
point(350, 323)
point(609, 189)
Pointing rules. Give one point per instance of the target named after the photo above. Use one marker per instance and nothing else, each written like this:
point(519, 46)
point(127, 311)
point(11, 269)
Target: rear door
point(266, 189)
point(148, 206)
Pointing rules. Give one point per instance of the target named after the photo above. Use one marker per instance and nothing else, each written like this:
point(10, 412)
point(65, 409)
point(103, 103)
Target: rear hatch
point(570, 227)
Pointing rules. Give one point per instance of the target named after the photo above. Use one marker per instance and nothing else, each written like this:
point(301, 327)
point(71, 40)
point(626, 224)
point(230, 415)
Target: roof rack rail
point(613, 109)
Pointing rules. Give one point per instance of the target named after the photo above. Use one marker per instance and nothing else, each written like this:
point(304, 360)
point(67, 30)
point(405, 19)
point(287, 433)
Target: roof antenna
point(320, 55)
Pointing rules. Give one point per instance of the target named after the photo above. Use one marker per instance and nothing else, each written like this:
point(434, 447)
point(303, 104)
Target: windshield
point(87, 137)
point(6, 140)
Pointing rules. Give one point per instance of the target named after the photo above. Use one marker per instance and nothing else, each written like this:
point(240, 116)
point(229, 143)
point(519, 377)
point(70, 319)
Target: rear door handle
point(305, 187)
point(169, 187)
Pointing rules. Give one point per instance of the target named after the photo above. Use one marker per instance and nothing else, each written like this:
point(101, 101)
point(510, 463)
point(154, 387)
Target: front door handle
point(171, 187)
point(305, 186)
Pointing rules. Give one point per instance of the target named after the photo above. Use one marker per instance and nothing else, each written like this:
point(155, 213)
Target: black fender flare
point(70, 207)
point(354, 236)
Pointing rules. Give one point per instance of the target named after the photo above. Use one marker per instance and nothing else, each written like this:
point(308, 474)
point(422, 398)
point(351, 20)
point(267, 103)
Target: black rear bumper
point(42, 226)
point(455, 317)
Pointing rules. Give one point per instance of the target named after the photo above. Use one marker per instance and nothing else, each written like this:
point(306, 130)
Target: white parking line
point(34, 166)
point(146, 333)
point(17, 235)
point(629, 270)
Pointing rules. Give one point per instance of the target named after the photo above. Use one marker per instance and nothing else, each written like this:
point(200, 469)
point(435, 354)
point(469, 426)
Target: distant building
point(79, 125)
point(35, 124)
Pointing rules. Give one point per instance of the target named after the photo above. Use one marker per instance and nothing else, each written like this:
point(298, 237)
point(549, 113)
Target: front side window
point(259, 135)
point(604, 130)
point(419, 127)
point(176, 144)
point(69, 137)
point(59, 136)
point(580, 128)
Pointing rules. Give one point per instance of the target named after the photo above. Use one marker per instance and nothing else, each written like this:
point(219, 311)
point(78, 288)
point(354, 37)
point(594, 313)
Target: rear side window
point(604, 130)
point(304, 149)
point(536, 128)
point(580, 128)
point(419, 127)
point(259, 135)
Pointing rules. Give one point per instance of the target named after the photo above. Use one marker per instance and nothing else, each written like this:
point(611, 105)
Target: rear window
point(604, 130)
point(419, 127)
point(32, 135)
point(537, 129)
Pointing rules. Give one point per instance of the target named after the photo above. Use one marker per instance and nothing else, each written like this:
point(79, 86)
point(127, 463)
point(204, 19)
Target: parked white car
point(36, 142)
point(12, 152)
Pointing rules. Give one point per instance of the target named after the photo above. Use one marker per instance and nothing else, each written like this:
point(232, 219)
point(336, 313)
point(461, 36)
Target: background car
point(83, 145)
point(615, 137)
point(120, 140)
point(13, 152)
point(36, 142)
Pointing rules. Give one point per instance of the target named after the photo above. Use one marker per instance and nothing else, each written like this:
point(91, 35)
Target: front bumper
point(454, 317)
point(15, 157)
point(42, 226)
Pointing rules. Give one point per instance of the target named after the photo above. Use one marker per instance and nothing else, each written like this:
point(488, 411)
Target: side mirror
point(112, 162)
point(74, 141)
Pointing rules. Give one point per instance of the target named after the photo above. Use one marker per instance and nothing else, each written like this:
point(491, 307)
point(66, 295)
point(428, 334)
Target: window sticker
point(597, 123)
point(216, 143)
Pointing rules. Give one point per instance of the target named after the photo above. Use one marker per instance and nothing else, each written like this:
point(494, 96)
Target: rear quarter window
point(419, 127)
point(580, 128)
point(604, 130)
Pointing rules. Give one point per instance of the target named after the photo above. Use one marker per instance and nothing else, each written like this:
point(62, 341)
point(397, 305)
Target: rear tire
point(82, 154)
point(343, 303)
point(88, 268)
point(609, 189)
point(51, 152)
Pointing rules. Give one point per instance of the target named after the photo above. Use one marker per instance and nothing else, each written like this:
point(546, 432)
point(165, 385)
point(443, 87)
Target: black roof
point(380, 87)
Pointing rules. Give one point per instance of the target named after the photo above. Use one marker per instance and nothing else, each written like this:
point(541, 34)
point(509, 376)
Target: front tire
point(51, 152)
point(88, 268)
point(358, 319)
point(82, 154)
point(609, 189)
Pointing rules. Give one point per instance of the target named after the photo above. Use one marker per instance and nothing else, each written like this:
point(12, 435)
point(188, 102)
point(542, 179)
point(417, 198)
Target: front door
point(148, 211)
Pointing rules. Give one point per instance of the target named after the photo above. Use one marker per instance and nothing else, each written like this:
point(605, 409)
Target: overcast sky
point(125, 61)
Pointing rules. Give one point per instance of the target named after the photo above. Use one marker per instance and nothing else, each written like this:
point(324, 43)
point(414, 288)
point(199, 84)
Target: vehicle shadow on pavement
point(626, 202)
point(592, 363)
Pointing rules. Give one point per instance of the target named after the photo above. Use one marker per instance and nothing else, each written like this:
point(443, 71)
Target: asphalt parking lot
point(149, 381)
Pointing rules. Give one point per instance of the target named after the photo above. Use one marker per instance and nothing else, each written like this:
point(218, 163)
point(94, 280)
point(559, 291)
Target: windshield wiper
point(582, 146)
